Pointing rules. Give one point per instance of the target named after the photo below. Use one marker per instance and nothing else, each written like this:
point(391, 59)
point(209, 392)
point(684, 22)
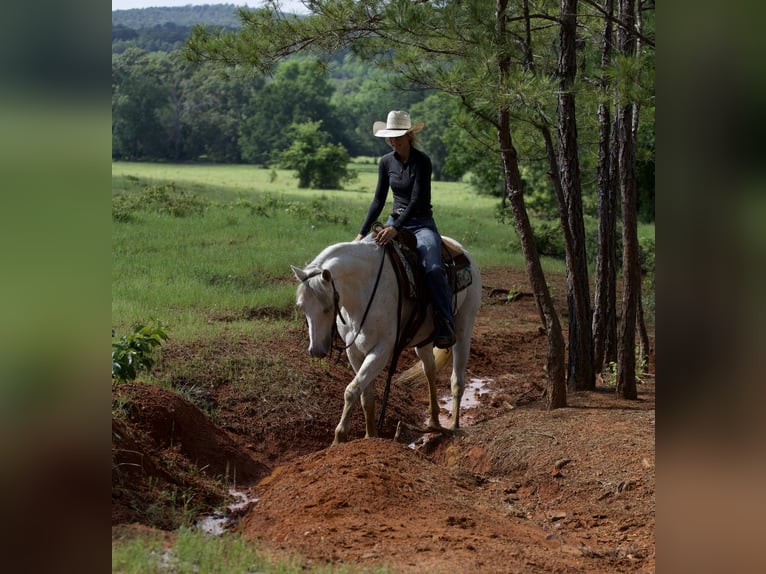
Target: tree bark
point(631, 276)
point(643, 335)
point(605, 302)
point(581, 375)
point(554, 369)
point(555, 372)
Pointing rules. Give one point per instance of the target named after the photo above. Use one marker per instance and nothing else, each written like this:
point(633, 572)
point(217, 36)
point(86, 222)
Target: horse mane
point(335, 251)
point(324, 260)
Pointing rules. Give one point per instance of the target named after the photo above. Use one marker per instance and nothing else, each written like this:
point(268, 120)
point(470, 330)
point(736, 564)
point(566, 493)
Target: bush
point(319, 165)
point(136, 351)
point(165, 199)
point(549, 239)
point(646, 249)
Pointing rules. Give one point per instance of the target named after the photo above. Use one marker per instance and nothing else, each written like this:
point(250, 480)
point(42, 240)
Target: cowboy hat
point(397, 124)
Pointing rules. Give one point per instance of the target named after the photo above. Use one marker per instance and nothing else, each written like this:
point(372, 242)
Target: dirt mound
point(166, 453)
point(521, 493)
point(377, 501)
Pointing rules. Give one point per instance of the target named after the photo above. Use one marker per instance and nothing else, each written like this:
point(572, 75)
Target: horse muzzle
point(317, 353)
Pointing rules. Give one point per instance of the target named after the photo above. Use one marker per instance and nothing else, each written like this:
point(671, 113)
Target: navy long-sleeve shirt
point(411, 184)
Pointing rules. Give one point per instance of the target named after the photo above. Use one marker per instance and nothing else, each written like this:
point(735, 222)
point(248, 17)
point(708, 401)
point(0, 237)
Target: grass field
point(236, 254)
point(239, 230)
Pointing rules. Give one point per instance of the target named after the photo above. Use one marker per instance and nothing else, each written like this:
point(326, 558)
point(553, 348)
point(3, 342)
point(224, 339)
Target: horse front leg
point(350, 397)
point(361, 388)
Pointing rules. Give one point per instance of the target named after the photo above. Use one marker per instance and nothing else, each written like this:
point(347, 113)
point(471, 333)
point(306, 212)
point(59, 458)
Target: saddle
point(411, 276)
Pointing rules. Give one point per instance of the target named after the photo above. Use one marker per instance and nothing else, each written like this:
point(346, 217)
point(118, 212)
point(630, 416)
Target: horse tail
point(414, 376)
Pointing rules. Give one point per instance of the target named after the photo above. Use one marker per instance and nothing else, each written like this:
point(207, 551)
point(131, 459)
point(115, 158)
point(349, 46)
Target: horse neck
point(354, 268)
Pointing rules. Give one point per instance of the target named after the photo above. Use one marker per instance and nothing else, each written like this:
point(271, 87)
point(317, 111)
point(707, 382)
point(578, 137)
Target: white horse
point(351, 289)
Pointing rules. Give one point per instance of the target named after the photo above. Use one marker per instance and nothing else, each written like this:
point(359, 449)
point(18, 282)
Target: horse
point(351, 289)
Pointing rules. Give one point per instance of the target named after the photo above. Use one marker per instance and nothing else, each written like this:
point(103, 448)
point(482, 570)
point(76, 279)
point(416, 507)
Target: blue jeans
point(428, 241)
point(429, 251)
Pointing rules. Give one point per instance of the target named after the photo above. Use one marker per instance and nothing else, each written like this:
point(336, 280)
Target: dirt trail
point(520, 489)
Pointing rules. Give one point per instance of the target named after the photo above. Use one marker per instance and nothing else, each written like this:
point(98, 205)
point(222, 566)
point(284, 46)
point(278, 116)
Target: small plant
point(254, 208)
point(611, 374)
point(642, 362)
point(136, 351)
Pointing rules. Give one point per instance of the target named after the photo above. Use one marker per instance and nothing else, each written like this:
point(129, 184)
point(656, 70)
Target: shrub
point(136, 351)
point(319, 165)
point(167, 199)
point(164, 199)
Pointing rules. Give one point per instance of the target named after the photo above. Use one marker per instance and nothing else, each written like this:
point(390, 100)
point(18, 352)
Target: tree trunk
point(556, 390)
point(605, 302)
point(605, 315)
point(554, 370)
point(631, 276)
point(581, 374)
point(643, 335)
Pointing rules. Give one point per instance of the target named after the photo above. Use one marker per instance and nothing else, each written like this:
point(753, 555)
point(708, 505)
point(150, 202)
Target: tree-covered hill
point(165, 29)
point(185, 16)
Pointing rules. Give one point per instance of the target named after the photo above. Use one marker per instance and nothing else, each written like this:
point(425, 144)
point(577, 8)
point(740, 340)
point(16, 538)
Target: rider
point(407, 171)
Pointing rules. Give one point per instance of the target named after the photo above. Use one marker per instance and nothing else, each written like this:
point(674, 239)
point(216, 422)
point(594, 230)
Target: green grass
point(200, 553)
point(236, 255)
point(189, 272)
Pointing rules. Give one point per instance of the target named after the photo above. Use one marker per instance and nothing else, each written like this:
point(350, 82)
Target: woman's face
point(400, 144)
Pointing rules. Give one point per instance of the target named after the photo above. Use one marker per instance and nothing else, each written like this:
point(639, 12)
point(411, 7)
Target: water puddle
point(216, 523)
point(474, 389)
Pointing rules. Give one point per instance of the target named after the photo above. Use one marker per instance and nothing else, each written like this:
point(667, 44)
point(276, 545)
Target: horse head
point(316, 298)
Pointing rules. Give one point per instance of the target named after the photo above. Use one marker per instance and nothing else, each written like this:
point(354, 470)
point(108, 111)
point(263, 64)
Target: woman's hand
point(359, 237)
point(385, 235)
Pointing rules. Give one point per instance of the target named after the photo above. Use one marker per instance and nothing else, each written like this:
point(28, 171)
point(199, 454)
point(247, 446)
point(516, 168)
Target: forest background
point(481, 74)
point(166, 109)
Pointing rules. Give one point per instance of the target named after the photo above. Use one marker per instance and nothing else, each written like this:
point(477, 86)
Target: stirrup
point(445, 336)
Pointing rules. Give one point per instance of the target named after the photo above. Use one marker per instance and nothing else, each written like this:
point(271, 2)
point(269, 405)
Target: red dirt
point(519, 489)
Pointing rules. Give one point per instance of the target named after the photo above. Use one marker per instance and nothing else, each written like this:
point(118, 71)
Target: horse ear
point(299, 273)
point(326, 275)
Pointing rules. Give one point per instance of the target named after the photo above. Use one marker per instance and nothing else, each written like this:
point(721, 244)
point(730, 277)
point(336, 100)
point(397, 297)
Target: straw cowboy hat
point(397, 124)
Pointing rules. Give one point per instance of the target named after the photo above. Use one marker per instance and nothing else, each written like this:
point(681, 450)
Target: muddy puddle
point(475, 388)
point(217, 522)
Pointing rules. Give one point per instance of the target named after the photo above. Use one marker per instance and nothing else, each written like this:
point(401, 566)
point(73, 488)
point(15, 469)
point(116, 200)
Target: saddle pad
point(403, 265)
point(406, 263)
point(463, 278)
point(456, 265)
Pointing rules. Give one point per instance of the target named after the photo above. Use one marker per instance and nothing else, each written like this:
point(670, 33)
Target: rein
point(336, 298)
point(398, 346)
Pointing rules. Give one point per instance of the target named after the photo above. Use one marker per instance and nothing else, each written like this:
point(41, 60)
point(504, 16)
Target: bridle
point(335, 335)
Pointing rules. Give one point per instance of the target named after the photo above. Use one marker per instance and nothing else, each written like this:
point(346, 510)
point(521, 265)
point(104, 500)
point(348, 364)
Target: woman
point(407, 171)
